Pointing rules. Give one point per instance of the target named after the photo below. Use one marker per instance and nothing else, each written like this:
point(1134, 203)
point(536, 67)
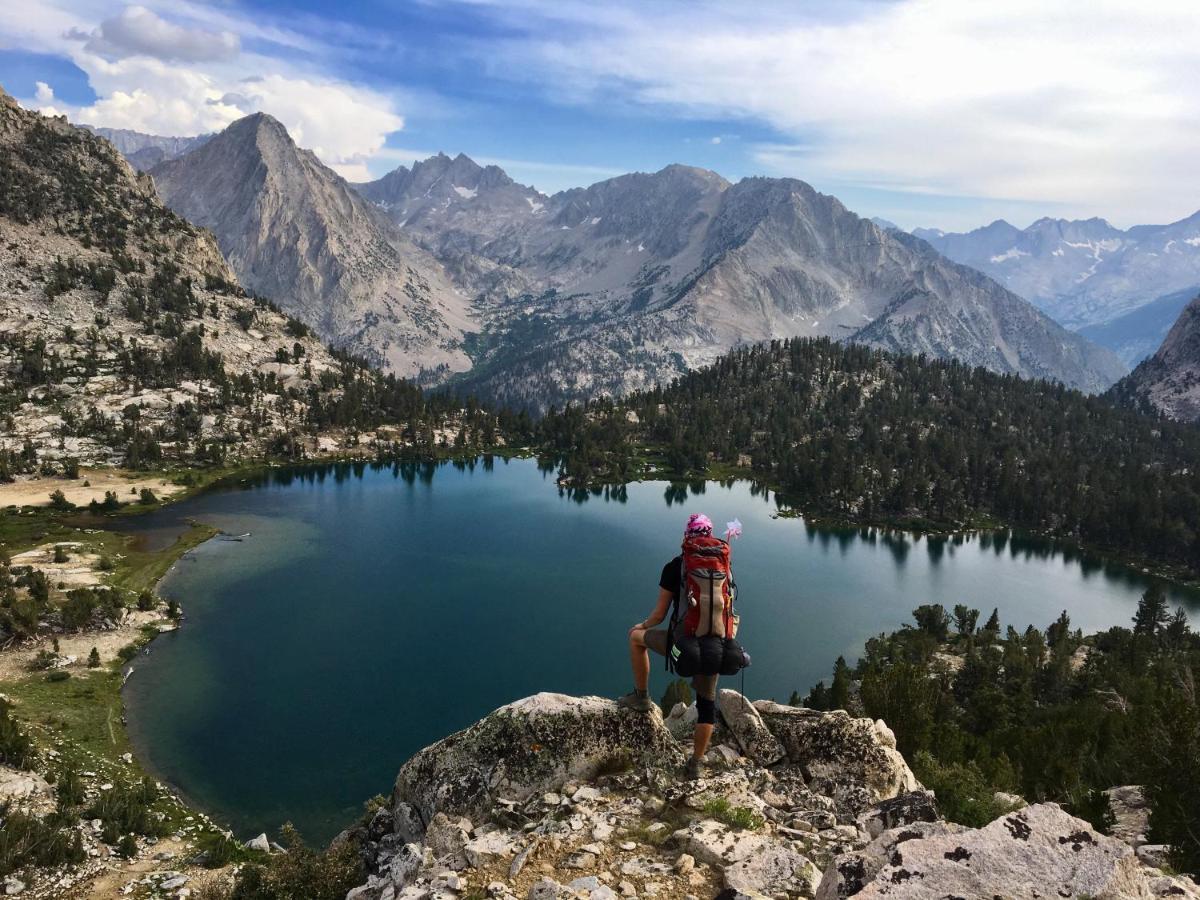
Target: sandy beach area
point(90, 485)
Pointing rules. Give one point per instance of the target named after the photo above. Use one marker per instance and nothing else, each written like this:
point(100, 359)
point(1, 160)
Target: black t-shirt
point(670, 576)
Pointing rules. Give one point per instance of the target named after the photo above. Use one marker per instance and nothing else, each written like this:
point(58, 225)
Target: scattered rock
point(1154, 855)
point(1131, 814)
point(260, 843)
point(915, 806)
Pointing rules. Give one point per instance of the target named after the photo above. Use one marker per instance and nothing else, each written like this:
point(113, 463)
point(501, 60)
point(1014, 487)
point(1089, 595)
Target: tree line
point(1049, 715)
point(860, 435)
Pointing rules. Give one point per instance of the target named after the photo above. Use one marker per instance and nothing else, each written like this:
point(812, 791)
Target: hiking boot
point(695, 768)
point(635, 701)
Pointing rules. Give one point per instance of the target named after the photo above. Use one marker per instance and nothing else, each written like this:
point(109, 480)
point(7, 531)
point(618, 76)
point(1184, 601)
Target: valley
point(303, 474)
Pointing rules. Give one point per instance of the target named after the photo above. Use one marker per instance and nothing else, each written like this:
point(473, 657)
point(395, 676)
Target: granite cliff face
point(1169, 381)
point(636, 279)
point(555, 797)
point(294, 231)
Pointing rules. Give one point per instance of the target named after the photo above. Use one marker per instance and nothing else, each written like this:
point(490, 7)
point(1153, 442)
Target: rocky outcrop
point(854, 761)
point(556, 796)
point(529, 747)
point(1038, 852)
point(572, 798)
point(28, 791)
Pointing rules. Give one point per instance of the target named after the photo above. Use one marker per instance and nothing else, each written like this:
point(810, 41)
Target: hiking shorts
point(704, 685)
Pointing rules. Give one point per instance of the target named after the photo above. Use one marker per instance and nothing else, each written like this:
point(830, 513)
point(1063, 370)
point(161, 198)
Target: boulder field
point(555, 797)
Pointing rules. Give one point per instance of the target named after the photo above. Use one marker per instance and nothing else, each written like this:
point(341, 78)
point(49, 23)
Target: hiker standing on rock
point(697, 588)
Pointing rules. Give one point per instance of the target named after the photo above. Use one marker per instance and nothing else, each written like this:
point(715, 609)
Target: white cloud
point(44, 93)
point(715, 140)
point(188, 76)
point(140, 31)
point(1097, 109)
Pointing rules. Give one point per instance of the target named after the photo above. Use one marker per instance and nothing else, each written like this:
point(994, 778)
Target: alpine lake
point(351, 614)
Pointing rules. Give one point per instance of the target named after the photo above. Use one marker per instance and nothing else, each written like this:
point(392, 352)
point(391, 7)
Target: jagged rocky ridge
point(124, 336)
point(293, 230)
point(630, 282)
point(640, 277)
point(562, 797)
point(1169, 381)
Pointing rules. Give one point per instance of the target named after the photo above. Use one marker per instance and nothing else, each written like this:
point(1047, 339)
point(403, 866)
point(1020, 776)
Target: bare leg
point(639, 657)
point(705, 687)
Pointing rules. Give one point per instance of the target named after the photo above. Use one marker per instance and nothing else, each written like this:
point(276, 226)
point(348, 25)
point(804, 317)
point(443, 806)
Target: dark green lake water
point(367, 615)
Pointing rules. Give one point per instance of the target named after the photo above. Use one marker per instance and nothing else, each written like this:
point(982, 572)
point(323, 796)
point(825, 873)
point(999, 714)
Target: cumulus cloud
point(189, 76)
point(44, 93)
point(140, 31)
point(1005, 99)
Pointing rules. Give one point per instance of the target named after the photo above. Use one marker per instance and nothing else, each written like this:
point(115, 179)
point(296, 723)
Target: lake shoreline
point(1177, 575)
point(249, 475)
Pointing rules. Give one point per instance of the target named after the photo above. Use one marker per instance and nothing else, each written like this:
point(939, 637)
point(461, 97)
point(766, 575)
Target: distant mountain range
point(641, 277)
point(145, 151)
point(451, 270)
point(1087, 273)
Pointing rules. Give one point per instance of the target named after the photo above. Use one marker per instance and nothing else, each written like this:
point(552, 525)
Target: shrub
point(127, 847)
point(58, 675)
point(302, 872)
point(16, 749)
point(94, 659)
point(145, 601)
point(147, 496)
point(68, 787)
point(27, 840)
point(173, 610)
point(678, 691)
point(126, 809)
point(59, 501)
point(964, 794)
point(60, 553)
point(735, 816)
point(43, 660)
point(218, 851)
point(105, 563)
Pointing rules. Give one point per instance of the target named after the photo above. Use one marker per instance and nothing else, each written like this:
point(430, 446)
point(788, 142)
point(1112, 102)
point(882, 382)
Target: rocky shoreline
point(555, 797)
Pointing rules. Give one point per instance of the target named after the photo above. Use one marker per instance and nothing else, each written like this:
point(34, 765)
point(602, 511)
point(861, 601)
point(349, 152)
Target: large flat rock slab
point(531, 746)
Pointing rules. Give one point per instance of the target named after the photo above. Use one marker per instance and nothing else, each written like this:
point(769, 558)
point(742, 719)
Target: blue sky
point(925, 112)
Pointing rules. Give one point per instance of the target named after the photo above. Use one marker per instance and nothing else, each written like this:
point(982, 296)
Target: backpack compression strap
point(670, 663)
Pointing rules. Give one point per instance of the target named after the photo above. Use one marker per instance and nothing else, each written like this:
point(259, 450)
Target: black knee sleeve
point(706, 711)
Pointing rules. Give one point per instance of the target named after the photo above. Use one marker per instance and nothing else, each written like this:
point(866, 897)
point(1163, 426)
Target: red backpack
point(706, 586)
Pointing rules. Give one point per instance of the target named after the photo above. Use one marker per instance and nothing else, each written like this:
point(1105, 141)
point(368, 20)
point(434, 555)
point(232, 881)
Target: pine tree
point(94, 659)
point(839, 692)
point(965, 620)
point(1152, 611)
